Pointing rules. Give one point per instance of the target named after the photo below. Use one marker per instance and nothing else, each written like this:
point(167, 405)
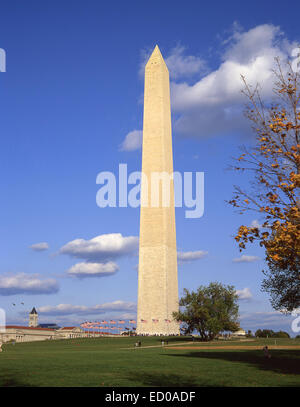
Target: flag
point(86, 325)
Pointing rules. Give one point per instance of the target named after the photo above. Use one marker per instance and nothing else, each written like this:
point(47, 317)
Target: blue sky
point(71, 94)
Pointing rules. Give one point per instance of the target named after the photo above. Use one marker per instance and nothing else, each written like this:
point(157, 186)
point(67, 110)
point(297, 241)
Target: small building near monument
point(72, 332)
point(39, 332)
point(241, 333)
point(28, 334)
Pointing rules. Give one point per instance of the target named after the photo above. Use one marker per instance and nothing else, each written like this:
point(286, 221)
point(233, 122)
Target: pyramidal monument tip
point(156, 56)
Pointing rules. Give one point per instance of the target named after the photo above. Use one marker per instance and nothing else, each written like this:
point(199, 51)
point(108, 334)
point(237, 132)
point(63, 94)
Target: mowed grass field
point(114, 362)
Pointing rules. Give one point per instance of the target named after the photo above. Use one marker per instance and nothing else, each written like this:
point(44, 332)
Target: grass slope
point(114, 362)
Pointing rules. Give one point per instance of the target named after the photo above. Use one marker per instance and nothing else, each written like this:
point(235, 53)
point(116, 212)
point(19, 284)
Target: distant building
point(38, 332)
point(28, 334)
point(49, 325)
point(72, 332)
point(42, 332)
point(33, 318)
point(33, 321)
point(241, 333)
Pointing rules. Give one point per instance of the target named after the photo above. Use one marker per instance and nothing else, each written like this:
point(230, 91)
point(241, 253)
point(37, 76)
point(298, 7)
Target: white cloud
point(266, 320)
point(133, 141)
point(22, 283)
point(82, 270)
point(68, 309)
point(244, 294)
point(179, 64)
point(245, 259)
point(190, 256)
point(213, 104)
point(102, 247)
point(38, 247)
point(127, 315)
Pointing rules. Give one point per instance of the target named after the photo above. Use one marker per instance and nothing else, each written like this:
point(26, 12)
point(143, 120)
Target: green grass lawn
point(114, 362)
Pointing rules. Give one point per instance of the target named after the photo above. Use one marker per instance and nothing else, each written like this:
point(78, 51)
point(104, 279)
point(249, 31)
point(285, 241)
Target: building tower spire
point(33, 318)
point(158, 284)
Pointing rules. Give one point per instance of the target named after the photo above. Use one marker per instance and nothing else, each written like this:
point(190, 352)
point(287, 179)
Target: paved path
point(192, 346)
point(156, 346)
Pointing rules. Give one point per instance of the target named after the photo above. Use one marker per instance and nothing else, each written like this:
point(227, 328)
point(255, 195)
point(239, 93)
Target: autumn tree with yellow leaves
point(274, 162)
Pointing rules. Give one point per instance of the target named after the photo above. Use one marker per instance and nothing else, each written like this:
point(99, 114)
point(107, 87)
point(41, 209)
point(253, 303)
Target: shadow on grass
point(11, 380)
point(282, 361)
point(161, 380)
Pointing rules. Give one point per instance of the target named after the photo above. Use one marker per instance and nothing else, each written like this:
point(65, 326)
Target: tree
point(258, 333)
point(265, 333)
point(209, 310)
point(249, 334)
point(283, 285)
point(269, 333)
point(274, 162)
point(281, 334)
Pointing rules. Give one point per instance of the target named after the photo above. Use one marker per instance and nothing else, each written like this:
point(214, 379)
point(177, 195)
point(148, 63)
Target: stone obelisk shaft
point(158, 283)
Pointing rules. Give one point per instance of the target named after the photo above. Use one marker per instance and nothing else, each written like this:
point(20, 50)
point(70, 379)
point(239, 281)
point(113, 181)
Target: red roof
point(29, 327)
point(51, 329)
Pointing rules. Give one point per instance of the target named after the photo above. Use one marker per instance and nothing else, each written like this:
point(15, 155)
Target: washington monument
point(157, 283)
